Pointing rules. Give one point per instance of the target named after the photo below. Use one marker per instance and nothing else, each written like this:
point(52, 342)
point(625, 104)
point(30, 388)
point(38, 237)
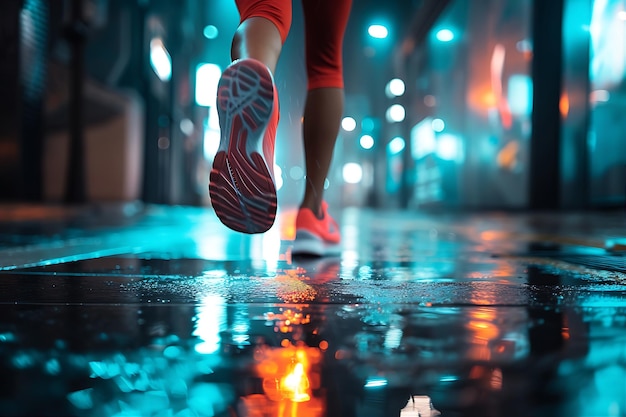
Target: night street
point(162, 311)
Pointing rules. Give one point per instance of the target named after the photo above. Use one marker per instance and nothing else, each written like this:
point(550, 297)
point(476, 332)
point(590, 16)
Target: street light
point(395, 88)
point(348, 124)
point(395, 113)
point(445, 35)
point(378, 31)
point(366, 142)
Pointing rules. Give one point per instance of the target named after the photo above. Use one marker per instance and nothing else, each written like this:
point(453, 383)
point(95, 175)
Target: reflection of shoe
point(242, 189)
point(317, 237)
point(320, 270)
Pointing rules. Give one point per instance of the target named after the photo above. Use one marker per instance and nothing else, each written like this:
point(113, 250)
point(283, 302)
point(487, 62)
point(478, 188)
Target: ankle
point(316, 208)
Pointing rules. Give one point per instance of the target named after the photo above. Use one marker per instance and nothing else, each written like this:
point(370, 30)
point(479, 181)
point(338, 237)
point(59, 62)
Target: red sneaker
point(241, 186)
point(316, 237)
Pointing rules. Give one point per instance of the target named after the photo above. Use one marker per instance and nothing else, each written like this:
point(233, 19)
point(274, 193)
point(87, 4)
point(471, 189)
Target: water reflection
point(311, 361)
point(308, 355)
point(291, 383)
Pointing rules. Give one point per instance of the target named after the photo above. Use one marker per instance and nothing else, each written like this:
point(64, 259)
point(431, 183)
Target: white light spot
point(211, 143)
point(210, 323)
point(378, 31)
point(445, 35)
point(278, 177)
point(160, 60)
point(367, 142)
point(395, 88)
point(352, 173)
point(395, 113)
point(214, 120)
point(448, 147)
point(348, 124)
point(207, 78)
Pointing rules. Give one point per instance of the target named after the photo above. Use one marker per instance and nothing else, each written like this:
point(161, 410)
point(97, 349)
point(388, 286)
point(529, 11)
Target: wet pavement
point(162, 311)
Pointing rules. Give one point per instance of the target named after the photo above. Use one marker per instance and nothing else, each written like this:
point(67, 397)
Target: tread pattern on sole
point(241, 187)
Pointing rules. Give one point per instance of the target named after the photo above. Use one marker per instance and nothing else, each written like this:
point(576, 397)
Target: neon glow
point(210, 32)
point(376, 383)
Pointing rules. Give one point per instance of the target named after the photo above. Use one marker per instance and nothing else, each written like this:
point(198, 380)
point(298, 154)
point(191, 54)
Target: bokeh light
point(348, 124)
point(366, 142)
point(378, 31)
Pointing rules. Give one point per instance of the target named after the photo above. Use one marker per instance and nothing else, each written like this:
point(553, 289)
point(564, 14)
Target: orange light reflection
point(483, 331)
point(295, 385)
point(290, 375)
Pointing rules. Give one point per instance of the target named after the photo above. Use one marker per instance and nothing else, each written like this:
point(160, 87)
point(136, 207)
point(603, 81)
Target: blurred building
point(488, 104)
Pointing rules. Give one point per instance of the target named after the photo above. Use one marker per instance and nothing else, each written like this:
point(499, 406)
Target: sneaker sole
point(241, 187)
point(307, 244)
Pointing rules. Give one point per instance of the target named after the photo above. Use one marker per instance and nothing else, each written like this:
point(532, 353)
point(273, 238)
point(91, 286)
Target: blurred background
point(450, 104)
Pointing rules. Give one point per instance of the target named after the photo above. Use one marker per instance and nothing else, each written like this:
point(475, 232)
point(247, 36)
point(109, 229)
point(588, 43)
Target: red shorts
point(324, 26)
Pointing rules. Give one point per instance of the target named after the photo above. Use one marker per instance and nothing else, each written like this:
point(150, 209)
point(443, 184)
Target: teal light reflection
point(210, 322)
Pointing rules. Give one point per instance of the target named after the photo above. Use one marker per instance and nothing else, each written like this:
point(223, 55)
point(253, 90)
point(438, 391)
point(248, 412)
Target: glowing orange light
point(288, 224)
point(564, 104)
point(290, 375)
point(488, 99)
point(295, 384)
point(565, 330)
point(491, 235)
point(323, 345)
point(483, 330)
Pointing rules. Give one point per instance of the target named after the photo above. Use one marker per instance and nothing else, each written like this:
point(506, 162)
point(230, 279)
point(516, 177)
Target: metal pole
point(547, 66)
point(75, 191)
